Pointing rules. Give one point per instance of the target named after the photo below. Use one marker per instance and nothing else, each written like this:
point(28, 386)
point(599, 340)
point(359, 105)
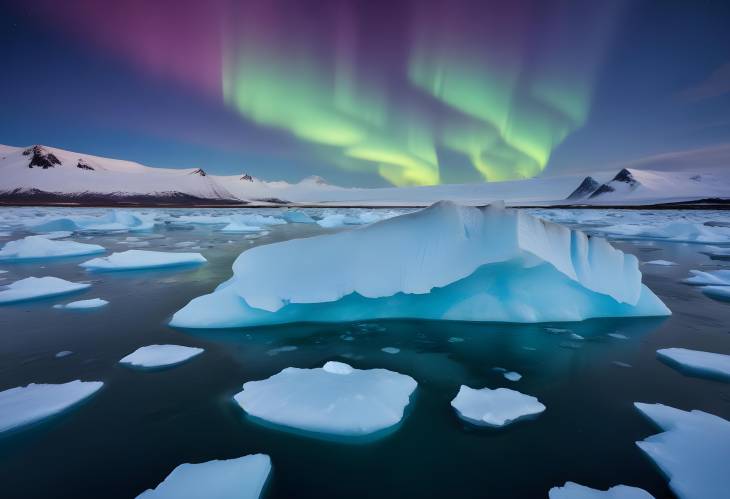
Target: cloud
point(706, 158)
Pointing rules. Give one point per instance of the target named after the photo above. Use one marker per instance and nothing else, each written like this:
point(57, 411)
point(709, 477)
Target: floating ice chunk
point(113, 221)
point(297, 217)
point(335, 400)
point(140, 259)
point(575, 336)
point(500, 407)
point(693, 451)
point(476, 264)
point(185, 244)
point(3, 271)
point(160, 356)
point(201, 219)
point(573, 490)
point(513, 376)
point(697, 362)
point(618, 336)
point(81, 304)
point(711, 278)
point(718, 252)
point(620, 363)
point(63, 353)
point(390, 350)
point(455, 339)
point(237, 227)
point(28, 404)
point(717, 292)
point(250, 223)
point(665, 263)
point(241, 478)
point(337, 220)
point(38, 247)
point(285, 348)
point(683, 232)
point(32, 288)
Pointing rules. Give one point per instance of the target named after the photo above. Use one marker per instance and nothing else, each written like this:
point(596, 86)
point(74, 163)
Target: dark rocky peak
point(626, 177)
point(84, 165)
point(246, 176)
point(42, 158)
point(200, 172)
point(585, 189)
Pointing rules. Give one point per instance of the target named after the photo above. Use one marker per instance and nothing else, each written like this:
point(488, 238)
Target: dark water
point(141, 425)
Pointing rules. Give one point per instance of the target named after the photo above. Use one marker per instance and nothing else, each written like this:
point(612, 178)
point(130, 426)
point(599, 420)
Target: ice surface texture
point(38, 247)
point(160, 356)
point(28, 404)
point(32, 288)
point(445, 262)
point(240, 478)
point(335, 400)
point(693, 451)
point(140, 259)
point(573, 490)
point(713, 365)
point(495, 408)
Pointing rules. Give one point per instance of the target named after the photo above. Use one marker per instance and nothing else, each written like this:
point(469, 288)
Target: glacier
point(445, 262)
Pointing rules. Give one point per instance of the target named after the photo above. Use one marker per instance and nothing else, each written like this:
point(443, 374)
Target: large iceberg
point(28, 404)
point(335, 400)
point(33, 288)
point(693, 451)
point(39, 247)
point(572, 490)
point(141, 260)
point(445, 262)
point(241, 478)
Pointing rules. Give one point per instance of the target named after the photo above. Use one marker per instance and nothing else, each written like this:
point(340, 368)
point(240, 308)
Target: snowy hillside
point(46, 175)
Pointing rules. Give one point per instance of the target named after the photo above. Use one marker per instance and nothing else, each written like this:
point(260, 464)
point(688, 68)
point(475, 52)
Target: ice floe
point(717, 292)
point(32, 288)
point(697, 362)
point(445, 262)
point(693, 451)
point(512, 376)
point(297, 217)
point(663, 263)
point(573, 490)
point(495, 408)
point(83, 304)
point(39, 247)
point(240, 478)
point(390, 350)
point(711, 278)
point(335, 400)
point(29, 404)
point(683, 232)
point(160, 356)
point(141, 259)
point(113, 221)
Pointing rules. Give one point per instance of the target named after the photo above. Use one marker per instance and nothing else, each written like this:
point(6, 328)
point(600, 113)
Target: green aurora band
point(505, 110)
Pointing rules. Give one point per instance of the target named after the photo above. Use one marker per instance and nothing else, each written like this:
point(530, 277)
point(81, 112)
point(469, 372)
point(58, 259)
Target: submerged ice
point(445, 262)
point(333, 400)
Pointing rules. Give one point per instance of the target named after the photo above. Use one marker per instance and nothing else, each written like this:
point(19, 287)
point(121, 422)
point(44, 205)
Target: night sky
point(370, 93)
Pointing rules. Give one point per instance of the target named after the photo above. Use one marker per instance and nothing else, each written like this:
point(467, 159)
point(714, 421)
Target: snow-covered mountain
point(47, 175)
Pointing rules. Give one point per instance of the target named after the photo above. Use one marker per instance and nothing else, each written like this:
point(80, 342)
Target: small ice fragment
point(575, 336)
point(513, 376)
point(618, 336)
point(496, 408)
point(160, 356)
point(455, 339)
point(573, 490)
point(665, 263)
point(391, 350)
point(83, 304)
point(63, 353)
point(285, 348)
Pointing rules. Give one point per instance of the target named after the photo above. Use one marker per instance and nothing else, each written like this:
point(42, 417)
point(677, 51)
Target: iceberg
point(693, 451)
point(446, 262)
point(332, 401)
point(141, 259)
point(32, 288)
point(153, 356)
point(241, 478)
point(83, 304)
point(711, 278)
point(494, 408)
point(39, 247)
point(696, 362)
point(29, 404)
point(573, 490)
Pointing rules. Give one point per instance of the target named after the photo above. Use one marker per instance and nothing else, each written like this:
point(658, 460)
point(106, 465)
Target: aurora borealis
point(403, 90)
